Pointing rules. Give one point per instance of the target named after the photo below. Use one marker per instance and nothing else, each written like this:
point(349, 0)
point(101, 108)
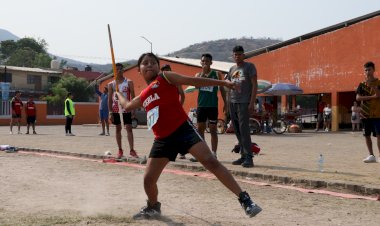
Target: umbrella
point(280, 89)
point(190, 89)
point(263, 85)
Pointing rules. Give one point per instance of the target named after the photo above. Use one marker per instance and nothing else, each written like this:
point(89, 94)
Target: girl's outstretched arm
point(128, 105)
point(177, 79)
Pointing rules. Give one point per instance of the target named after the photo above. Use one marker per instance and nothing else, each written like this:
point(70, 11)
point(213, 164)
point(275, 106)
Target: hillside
point(221, 50)
point(6, 35)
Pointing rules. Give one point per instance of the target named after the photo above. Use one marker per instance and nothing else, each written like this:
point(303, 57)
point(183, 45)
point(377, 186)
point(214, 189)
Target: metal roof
point(311, 35)
point(30, 69)
point(216, 65)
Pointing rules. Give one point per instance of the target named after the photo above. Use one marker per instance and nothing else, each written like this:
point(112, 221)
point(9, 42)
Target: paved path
point(290, 158)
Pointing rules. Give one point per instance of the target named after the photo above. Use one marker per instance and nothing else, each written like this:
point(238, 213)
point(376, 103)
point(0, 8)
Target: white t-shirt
point(124, 89)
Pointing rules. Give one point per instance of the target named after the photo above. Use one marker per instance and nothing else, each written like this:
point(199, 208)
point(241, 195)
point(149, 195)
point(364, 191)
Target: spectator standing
point(320, 107)
point(126, 87)
point(16, 106)
point(355, 116)
point(69, 113)
point(327, 115)
point(368, 92)
point(31, 112)
point(103, 110)
point(242, 103)
point(208, 103)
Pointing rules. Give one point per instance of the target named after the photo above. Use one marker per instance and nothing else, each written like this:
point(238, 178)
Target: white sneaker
point(71, 134)
point(370, 159)
point(10, 132)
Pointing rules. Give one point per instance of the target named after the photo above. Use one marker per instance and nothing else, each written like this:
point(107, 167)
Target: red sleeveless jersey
point(16, 105)
point(30, 109)
point(164, 111)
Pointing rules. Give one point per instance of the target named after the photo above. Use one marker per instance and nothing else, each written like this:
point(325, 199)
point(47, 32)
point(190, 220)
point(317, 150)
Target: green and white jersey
point(208, 95)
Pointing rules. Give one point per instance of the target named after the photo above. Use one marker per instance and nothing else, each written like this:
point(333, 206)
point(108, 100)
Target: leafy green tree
point(22, 58)
point(70, 83)
point(42, 60)
point(38, 46)
point(26, 52)
point(7, 47)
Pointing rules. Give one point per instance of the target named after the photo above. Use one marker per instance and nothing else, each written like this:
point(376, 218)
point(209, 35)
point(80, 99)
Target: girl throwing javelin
point(174, 133)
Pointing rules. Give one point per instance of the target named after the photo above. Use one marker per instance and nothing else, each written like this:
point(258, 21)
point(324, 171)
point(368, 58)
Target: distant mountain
point(6, 35)
point(221, 50)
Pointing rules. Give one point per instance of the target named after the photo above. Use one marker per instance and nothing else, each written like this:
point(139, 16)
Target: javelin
point(113, 58)
point(115, 74)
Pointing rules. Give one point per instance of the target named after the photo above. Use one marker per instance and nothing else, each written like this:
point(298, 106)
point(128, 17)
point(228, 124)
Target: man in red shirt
point(16, 106)
point(30, 110)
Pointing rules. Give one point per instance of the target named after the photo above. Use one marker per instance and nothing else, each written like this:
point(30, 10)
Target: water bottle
point(321, 161)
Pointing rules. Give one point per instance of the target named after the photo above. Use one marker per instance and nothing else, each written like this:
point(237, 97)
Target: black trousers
point(69, 121)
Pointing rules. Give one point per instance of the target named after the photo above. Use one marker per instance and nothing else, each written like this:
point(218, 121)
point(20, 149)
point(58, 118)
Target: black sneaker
point(250, 208)
point(248, 163)
point(149, 212)
point(238, 161)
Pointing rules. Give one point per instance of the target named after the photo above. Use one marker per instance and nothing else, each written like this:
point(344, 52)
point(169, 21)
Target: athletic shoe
point(370, 159)
point(149, 212)
point(214, 154)
point(34, 132)
point(133, 153)
point(248, 163)
point(10, 132)
point(250, 208)
point(27, 132)
point(19, 132)
point(316, 130)
point(71, 134)
point(182, 156)
point(102, 134)
point(120, 154)
point(108, 133)
point(238, 161)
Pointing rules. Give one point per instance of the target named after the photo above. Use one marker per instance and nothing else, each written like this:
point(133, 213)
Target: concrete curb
point(356, 188)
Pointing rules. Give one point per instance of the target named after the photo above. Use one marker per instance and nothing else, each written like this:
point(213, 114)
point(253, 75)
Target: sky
point(77, 29)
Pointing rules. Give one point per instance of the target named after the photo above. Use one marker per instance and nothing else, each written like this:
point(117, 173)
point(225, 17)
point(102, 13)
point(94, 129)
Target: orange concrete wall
point(332, 62)
point(86, 113)
point(190, 98)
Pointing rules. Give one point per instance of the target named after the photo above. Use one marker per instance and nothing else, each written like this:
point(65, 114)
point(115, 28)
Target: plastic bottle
point(321, 161)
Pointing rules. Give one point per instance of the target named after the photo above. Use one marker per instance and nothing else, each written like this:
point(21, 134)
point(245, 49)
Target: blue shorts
point(103, 114)
point(180, 141)
point(371, 125)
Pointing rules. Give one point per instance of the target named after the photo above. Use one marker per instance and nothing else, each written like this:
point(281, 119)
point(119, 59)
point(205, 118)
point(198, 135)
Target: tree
point(70, 83)
point(22, 58)
point(26, 52)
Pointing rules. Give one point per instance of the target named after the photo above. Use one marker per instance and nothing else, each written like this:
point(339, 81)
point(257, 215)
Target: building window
point(53, 79)
point(6, 77)
point(30, 79)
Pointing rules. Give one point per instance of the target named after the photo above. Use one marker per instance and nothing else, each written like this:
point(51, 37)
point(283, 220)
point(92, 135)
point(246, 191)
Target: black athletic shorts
point(180, 141)
point(30, 119)
point(127, 117)
point(210, 113)
point(371, 126)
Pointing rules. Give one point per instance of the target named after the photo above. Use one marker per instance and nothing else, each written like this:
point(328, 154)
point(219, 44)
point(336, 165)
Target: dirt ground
point(42, 190)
